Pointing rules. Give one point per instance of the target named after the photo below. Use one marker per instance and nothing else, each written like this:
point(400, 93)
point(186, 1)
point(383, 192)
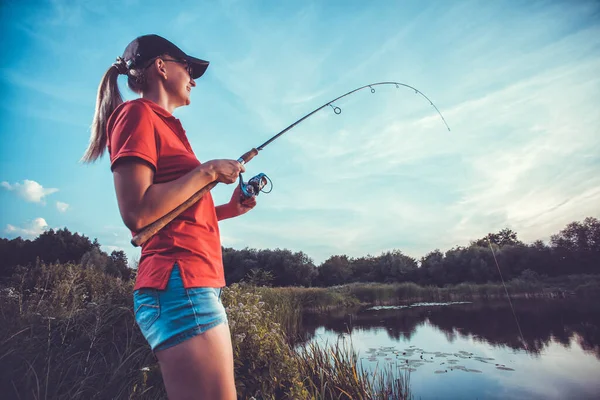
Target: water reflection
point(467, 351)
point(542, 322)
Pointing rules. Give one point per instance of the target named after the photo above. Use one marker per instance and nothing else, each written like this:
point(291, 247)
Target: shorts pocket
point(146, 306)
point(203, 296)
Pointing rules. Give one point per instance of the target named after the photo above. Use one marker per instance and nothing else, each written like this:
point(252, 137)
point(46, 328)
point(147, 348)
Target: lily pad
point(505, 368)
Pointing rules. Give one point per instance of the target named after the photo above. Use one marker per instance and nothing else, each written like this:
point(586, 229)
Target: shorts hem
point(188, 334)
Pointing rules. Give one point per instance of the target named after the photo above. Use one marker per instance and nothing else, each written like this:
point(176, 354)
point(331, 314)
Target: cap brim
point(198, 66)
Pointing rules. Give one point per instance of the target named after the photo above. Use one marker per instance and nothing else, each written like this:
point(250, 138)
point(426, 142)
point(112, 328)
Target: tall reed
point(334, 372)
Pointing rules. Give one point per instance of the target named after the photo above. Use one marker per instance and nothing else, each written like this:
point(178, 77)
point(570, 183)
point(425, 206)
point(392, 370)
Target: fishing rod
point(255, 185)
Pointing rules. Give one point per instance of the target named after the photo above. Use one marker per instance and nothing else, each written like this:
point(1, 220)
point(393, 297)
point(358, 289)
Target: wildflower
point(240, 337)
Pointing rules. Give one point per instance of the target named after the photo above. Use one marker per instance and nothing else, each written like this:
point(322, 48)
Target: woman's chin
point(186, 100)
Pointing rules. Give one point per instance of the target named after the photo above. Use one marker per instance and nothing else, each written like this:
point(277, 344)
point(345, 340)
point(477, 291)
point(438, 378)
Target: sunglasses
point(186, 64)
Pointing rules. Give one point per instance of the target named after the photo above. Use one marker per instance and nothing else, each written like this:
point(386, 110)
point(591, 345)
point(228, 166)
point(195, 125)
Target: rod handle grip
point(249, 155)
point(149, 231)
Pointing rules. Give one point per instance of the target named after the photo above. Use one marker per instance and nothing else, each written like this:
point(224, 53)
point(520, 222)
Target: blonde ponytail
point(109, 98)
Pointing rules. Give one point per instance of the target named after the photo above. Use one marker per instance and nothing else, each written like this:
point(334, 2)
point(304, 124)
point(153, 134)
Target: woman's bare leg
point(200, 367)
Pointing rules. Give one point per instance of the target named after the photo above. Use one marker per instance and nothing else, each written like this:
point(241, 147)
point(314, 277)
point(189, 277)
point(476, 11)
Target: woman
point(180, 274)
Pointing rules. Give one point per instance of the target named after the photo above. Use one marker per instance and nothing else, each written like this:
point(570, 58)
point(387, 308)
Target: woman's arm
point(141, 202)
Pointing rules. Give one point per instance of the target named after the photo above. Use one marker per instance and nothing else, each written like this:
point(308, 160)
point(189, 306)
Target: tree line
point(573, 250)
point(61, 246)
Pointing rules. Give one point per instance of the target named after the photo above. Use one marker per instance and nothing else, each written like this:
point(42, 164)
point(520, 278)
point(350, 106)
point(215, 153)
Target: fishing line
point(507, 295)
point(254, 186)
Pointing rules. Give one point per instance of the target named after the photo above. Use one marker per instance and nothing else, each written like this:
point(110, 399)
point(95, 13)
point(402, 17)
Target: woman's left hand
point(239, 207)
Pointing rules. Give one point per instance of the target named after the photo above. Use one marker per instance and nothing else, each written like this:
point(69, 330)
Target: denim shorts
point(171, 316)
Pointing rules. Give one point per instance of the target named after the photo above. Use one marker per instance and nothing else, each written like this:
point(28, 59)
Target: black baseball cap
point(144, 48)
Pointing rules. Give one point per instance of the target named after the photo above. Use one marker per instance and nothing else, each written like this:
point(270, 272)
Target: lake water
point(474, 350)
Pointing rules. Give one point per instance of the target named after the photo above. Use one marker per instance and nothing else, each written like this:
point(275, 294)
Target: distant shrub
point(530, 276)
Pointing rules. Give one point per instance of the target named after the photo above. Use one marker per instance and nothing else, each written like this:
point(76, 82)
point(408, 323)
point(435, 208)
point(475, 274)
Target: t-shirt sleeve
point(131, 134)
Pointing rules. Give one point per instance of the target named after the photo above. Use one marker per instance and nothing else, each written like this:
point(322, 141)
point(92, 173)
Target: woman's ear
point(161, 68)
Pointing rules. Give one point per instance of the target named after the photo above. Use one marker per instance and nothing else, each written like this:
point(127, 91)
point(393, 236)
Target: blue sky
point(518, 82)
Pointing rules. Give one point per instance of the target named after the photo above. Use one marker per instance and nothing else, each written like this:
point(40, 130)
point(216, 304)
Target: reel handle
point(254, 186)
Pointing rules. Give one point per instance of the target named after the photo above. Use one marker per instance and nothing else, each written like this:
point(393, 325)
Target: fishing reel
point(255, 185)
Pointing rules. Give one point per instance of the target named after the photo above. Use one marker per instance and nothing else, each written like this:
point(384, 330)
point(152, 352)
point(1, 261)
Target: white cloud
point(30, 190)
point(62, 207)
point(30, 230)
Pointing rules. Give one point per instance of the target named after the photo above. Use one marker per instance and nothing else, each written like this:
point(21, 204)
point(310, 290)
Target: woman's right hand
point(225, 171)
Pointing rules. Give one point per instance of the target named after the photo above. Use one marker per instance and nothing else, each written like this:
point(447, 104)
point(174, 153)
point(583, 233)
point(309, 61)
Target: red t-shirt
point(142, 129)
